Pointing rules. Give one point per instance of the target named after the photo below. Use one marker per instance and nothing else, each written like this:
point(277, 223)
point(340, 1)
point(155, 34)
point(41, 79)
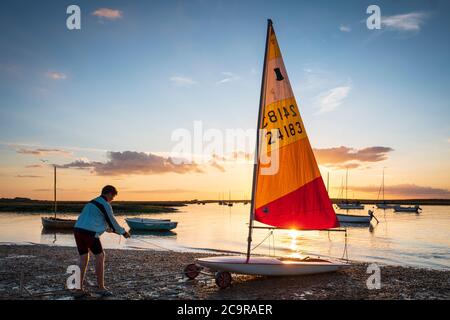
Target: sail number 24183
point(282, 123)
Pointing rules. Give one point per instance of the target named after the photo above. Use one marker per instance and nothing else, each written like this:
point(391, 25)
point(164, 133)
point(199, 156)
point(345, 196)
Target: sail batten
point(294, 195)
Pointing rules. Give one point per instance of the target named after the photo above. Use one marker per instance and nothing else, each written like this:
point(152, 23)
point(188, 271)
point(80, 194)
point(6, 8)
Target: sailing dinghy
point(55, 223)
point(291, 197)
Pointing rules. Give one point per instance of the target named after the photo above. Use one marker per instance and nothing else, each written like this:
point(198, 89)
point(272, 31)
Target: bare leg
point(100, 270)
point(84, 260)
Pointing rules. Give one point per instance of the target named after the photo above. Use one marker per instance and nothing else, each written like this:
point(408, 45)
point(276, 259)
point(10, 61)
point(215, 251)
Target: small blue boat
point(151, 224)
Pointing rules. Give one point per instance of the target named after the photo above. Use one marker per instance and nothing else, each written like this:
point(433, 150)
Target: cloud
point(182, 81)
point(409, 190)
point(34, 166)
point(44, 152)
point(217, 165)
point(407, 22)
point(345, 28)
point(56, 75)
point(132, 162)
point(331, 99)
point(228, 77)
point(345, 157)
point(58, 189)
point(27, 176)
point(107, 13)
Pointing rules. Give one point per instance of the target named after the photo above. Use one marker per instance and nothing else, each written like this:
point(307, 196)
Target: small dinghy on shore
point(269, 266)
point(292, 197)
point(144, 224)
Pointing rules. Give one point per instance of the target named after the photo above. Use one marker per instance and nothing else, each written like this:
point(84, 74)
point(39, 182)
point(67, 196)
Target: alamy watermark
point(374, 280)
point(205, 145)
point(74, 280)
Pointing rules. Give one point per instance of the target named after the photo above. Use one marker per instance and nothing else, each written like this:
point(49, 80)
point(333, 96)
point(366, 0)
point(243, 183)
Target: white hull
point(351, 218)
point(268, 266)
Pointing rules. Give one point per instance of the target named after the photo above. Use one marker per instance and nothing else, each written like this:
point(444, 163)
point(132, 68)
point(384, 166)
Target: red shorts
point(86, 241)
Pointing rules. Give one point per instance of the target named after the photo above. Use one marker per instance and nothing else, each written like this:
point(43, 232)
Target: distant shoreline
point(120, 207)
point(142, 207)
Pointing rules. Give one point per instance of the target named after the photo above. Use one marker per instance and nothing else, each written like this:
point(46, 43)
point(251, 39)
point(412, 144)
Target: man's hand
point(126, 235)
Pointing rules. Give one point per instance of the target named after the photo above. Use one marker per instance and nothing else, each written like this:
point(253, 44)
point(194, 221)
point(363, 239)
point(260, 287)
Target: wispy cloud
point(27, 176)
point(160, 191)
point(345, 28)
point(132, 162)
point(58, 189)
point(345, 157)
point(182, 81)
point(107, 13)
point(405, 190)
point(34, 166)
point(228, 77)
point(56, 75)
point(43, 152)
point(412, 21)
point(331, 99)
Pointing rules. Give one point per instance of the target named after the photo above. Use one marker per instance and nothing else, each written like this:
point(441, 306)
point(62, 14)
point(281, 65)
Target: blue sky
point(126, 83)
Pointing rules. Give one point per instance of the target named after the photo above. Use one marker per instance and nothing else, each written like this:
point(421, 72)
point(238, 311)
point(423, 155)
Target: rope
point(154, 244)
point(268, 235)
point(345, 252)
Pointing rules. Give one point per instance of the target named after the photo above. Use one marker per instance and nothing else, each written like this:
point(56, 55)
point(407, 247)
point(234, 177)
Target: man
point(96, 218)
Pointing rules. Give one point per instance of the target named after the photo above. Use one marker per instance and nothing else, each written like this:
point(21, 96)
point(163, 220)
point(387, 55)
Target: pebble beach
point(39, 272)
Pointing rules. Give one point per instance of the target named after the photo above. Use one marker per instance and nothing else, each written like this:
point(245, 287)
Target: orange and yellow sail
point(294, 195)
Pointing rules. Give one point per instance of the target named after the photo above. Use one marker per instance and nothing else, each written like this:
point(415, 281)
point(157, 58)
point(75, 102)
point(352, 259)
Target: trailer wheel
point(191, 271)
point(223, 279)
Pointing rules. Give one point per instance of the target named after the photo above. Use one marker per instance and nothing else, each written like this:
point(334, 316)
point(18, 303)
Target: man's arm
point(108, 214)
point(115, 225)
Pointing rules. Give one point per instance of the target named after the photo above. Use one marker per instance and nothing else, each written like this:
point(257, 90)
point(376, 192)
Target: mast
point(54, 190)
point(328, 183)
point(346, 186)
point(256, 161)
point(382, 183)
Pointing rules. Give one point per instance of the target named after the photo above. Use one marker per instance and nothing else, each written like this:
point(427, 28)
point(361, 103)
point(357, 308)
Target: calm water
point(421, 240)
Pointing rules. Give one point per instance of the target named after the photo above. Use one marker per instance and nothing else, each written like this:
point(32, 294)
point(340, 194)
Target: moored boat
point(354, 218)
point(58, 223)
point(54, 222)
point(385, 205)
point(400, 208)
point(350, 206)
point(151, 224)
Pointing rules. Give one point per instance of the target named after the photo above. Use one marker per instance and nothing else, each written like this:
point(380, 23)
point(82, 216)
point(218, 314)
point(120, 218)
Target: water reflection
point(408, 239)
point(141, 233)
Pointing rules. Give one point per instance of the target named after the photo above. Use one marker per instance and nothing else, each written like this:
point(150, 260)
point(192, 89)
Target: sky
point(106, 103)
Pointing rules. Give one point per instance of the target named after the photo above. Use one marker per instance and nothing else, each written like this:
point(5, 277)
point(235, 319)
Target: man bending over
point(96, 218)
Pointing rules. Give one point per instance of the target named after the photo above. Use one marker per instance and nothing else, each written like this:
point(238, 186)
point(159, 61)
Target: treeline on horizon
point(121, 207)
